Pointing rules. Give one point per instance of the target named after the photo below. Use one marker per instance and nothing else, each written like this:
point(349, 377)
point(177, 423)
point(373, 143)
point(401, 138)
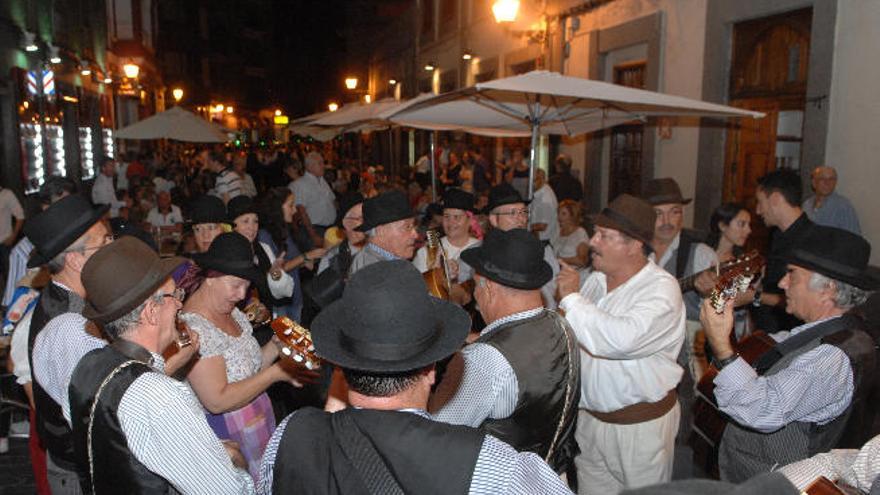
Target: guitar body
point(709, 422)
point(436, 277)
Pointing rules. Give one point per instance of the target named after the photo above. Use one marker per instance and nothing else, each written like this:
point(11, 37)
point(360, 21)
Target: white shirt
point(544, 209)
point(704, 256)
point(170, 219)
point(9, 207)
point(629, 338)
point(248, 188)
point(283, 287)
point(162, 184)
point(566, 246)
point(103, 194)
point(18, 349)
point(453, 253)
point(315, 195)
point(121, 177)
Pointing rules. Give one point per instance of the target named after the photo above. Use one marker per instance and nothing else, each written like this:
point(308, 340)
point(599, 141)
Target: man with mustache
point(391, 230)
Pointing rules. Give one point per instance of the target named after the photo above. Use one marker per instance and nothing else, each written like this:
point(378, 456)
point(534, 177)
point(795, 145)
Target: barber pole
point(48, 83)
point(32, 86)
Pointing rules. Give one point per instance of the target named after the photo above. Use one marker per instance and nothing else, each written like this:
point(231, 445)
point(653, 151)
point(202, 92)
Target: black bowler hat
point(59, 226)
point(503, 194)
point(386, 322)
point(121, 276)
point(231, 253)
point(459, 200)
point(514, 258)
point(208, 209)
point(385, 208)
point(664, 191)
point(837, 254)
point(346, 202)
point(633, 216)
point(238, 206)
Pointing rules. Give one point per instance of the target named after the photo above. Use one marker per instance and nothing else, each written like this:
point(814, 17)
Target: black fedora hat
point(514, 258)
point(386, 322)
point(633, 216)
point(836, 253)
point(663, 191)
point(231, 253)
point(385, 208)
point(122, 275)
point(207, 209)
point(346, 202)
point(238, 206)
point(503, 194)
point(56, 228)
point(459, 200)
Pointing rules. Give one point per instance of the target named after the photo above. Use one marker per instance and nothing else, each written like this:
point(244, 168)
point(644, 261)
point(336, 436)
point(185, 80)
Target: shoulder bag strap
point(792, 344)
point(363, 456)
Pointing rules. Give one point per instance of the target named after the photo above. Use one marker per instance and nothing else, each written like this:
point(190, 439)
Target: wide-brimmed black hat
point(514, 258)
point(238, 206)
point(503, 194)
point(122, 275)
point(459, 200)
point(346, 202)
point(633, 216)
point(56, 228)
point(231, 253)
point(385, 208)
point(207, 209)
point(836, 253)
point(664, 191)
point(386, 322)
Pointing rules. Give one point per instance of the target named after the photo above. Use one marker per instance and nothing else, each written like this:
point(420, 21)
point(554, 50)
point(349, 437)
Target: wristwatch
point(306, 258)
point(756, 301)
point(721, 363)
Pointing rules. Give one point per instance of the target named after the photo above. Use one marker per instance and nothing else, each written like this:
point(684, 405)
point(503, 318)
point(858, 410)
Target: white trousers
point(616, 457)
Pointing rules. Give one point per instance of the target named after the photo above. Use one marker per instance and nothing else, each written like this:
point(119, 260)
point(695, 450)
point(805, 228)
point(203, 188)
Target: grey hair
point(845, 295)
point(125, 323)
point(56, 264)
point(371, 233)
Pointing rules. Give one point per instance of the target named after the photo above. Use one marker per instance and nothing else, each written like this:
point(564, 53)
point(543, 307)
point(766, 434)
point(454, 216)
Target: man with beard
point(390, 228)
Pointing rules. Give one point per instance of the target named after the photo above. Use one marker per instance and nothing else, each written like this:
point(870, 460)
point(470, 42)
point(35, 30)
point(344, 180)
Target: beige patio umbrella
point(177, 124)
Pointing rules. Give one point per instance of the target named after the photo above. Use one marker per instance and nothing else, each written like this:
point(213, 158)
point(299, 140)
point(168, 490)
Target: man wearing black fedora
point(629, 320)
point(807, 394)
point(508, 210)
point(521, 378)
point(136, 430)
point(64, 235)
point(390, 228)
point(386, 333)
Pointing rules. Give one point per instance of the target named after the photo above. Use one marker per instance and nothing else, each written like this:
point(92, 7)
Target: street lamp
point(278, 113)
point(177, 93)
point(333, 107)
point(131, 70)
point(229, 109)
point(505, 10)
point(54, 55)
point(392, 81)
point(30, 42)
point(351, 82)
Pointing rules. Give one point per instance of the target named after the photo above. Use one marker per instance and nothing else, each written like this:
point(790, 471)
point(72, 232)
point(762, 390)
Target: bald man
point(827, 207)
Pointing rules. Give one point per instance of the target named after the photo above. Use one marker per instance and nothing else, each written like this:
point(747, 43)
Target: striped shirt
point(815, 387)
point(228, 185)
point(500, 469)
point(857, 468)
point(488, 387)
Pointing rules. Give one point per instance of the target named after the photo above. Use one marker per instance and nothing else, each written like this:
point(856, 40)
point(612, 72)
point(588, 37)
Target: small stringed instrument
point(709, 422)
point(687, 283)
point(437, 276)
point(296, 342)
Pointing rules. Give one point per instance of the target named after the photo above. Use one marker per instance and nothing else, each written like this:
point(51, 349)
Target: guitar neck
point(687, 283)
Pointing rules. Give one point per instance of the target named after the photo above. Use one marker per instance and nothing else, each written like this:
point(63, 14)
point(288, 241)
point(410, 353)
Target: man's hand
point(232, 448)
point(459, 295)
point(718, 328)
point(705, 282)
point(176, 357)
point(568, 281)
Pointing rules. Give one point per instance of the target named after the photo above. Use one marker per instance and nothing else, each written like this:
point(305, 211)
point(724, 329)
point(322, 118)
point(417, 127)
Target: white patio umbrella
point(542, 102)
point(177, 124)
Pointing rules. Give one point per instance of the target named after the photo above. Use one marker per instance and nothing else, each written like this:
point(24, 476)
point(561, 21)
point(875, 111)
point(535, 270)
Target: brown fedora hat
point(664, 191)
point(633, 216)
point(122, 275)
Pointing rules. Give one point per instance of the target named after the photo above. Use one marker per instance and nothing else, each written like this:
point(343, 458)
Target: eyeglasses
point(178, 293)
point(517, 213)
point(107, 240)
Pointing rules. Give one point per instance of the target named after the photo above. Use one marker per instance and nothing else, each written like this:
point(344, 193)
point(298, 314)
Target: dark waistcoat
point(543, 353)
point(116, 470)
point(745, 452)
point(52, 428)
point(423, 456)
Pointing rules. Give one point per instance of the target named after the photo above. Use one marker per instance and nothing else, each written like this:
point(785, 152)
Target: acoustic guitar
point(296, 342)
point(687, 283)
point(437, 276)
point(709, 422)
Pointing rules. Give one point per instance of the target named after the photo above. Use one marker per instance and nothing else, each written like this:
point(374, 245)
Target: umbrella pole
point(433, 168)
point(533, 155)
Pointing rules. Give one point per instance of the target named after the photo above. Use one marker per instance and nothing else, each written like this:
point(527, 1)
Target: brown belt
point(639, 412)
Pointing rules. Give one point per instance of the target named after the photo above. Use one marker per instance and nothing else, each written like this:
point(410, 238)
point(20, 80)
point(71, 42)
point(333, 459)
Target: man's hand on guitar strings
point(718, 328)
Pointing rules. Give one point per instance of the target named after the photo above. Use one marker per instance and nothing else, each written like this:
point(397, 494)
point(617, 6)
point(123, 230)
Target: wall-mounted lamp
point(131, 70)
point(429, 66)
point(54, 55)
point(108, 79)
point(84, 68)
point(392, 81)
point(368, 98)
point(467, 55)
point(505, 10)
point(333, 107)
point(30, 42)
point(351, 82)
point(278, 112)
point(177, 93)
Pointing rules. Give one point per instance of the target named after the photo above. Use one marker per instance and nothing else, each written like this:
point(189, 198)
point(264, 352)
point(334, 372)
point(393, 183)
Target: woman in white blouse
point(573, 246)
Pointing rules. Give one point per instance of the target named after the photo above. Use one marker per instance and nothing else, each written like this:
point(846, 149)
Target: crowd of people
point(485, 342)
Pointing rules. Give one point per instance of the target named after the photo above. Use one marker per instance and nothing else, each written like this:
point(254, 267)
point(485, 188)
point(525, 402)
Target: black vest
point(52, 428)
point(424, 456)
point(543, 353)
point(116, 470)
point(745, 452)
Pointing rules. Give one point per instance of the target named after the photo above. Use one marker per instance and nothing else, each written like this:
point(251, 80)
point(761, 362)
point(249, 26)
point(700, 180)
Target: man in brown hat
point(629, 320)
point(135, 429)
point(391, 230)
point(809, 391)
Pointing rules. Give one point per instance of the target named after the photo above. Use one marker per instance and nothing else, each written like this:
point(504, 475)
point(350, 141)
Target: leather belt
point(638, 412)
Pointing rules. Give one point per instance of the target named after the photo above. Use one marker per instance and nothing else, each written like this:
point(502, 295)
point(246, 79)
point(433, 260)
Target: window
point(626, 140)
